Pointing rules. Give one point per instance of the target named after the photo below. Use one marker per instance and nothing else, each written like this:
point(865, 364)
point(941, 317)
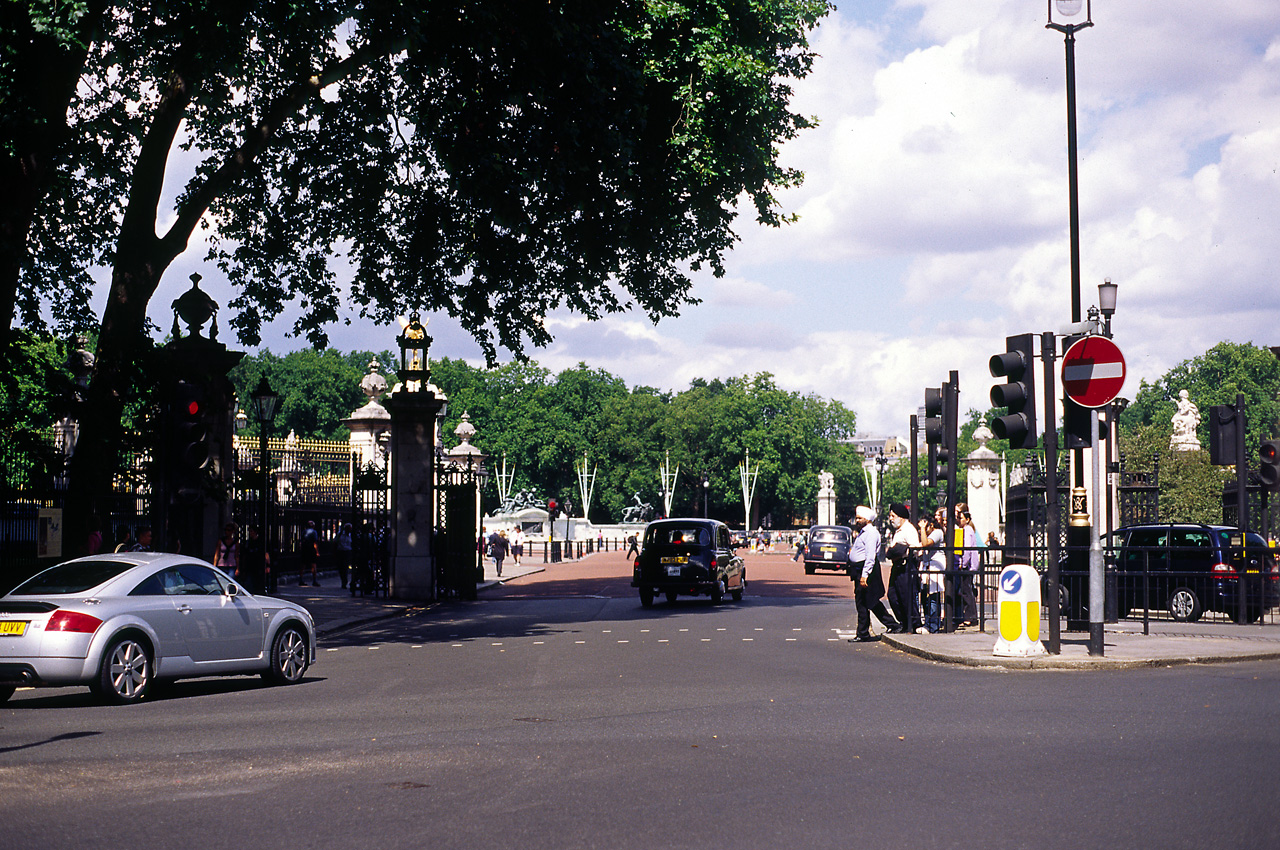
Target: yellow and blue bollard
point(1018, 604)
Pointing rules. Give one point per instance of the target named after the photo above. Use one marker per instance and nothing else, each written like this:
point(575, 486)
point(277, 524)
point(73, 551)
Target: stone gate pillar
point(985, 493)
point(414, 406)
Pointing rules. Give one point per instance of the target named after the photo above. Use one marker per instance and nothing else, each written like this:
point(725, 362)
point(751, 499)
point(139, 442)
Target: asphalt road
point(552, 716)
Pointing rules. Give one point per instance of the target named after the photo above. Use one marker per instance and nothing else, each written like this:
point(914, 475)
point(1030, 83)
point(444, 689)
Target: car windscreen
point(71, 577)
point(829, 535)
point(678, 535)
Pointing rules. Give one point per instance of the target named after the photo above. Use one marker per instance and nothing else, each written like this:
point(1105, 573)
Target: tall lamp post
point(265, 402)
point(1079, 532)
point(706, 488)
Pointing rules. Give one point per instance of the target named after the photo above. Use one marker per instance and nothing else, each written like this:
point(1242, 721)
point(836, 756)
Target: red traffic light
point(193, 408)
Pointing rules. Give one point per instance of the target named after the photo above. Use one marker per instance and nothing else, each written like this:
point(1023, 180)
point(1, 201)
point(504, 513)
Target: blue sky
point(933, 220)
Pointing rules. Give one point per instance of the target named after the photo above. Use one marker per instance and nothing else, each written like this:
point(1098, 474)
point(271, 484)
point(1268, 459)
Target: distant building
point(892, 449)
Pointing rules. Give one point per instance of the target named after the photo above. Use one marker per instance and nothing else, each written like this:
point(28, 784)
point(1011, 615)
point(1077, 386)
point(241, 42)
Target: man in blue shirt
point(869, 594)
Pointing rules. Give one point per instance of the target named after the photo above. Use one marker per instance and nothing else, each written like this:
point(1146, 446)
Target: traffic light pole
point(1048, 343)
point(1242, 506)
point(1097, 581)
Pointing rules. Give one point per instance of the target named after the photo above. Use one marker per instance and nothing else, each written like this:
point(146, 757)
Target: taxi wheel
point(808, 570)
point(671, 596)
point(736, 594)
point(6, 691)
point(717, 592)
point(646, 597)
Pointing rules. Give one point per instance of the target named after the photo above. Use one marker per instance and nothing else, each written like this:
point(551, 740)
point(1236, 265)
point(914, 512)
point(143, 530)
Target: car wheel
point(671, 596)
point(736, 593)
point(646, 597)
point(808, 570)
point(288, 656)
point(6, 691)
point(1184, 605)
point(717, 592)
point(125, 675)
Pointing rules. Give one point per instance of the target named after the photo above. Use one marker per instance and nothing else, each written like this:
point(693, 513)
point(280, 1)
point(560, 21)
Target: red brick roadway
point(608, 574)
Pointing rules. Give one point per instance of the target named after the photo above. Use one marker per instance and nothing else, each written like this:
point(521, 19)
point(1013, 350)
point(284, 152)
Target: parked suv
point(1190, 568)
point(828, 549)
point(688, 557)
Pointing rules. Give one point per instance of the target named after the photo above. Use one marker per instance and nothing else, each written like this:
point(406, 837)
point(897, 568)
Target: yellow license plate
point(828, 549)
point(676, 559)
point(13, 627)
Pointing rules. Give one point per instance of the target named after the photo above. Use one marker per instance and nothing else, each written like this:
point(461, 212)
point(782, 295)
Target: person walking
point(904, 584)
point(864, 556)
point(342, 544)
point(517, 545)
point(310, 555)
point(633, 545)
point(498, 548)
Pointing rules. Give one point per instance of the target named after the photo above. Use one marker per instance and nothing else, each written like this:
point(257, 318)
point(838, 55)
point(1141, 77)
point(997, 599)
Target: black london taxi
point(828, 549)
point(688, 557)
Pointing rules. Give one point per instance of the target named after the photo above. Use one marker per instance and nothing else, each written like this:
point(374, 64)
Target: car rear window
point(71, 577)
point(830, 535)
point(678, 535)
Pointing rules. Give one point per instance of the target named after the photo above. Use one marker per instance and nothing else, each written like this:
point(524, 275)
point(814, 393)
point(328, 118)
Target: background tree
point(493, 160)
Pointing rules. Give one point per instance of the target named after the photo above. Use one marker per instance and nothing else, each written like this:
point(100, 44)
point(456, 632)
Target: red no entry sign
point(1093, 371)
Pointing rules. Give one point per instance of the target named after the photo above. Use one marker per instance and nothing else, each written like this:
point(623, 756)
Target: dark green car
point(688, 557)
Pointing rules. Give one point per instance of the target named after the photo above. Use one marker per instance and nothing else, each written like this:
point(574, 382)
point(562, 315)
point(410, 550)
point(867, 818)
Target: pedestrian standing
point(144, 540)
point(255, 562)
point(864, 556)
point(904, 583)
point(933, 563)
point(342, 544)
point(226, 554)
point(967, 565)
point(310, 555)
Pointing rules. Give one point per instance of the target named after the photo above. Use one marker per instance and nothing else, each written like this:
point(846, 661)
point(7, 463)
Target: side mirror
point(233, 591)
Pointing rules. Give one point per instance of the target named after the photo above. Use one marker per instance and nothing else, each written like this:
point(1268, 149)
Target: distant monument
point(1185, 422)
point(826, 498)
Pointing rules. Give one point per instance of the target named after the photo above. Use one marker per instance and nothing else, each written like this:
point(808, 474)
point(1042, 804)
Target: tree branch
point(257, 137)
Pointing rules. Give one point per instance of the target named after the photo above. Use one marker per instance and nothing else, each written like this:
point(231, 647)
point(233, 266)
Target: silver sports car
point(120, 623)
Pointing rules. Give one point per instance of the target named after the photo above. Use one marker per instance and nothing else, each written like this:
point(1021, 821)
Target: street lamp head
point(1068, 9)
point(265, 401)
point(1107, 297)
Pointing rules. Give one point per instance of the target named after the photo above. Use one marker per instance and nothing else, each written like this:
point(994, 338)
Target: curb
point(1051, 662)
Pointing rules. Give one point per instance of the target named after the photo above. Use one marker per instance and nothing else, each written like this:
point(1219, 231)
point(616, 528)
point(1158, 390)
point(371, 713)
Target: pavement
point(1124, 644)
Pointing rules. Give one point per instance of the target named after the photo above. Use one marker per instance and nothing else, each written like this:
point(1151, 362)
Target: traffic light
point(933, 410)
point(1269, 472)
point(553, 509)
point(1076, 427)
point(1223, 435)
point(189, 428)
point(1017, 394)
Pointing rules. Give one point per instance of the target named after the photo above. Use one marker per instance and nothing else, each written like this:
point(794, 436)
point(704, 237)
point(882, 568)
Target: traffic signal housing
point(933, 410)
point(1223, 435)
point(1269, 471)
point(1017, 394)
point(189, 424)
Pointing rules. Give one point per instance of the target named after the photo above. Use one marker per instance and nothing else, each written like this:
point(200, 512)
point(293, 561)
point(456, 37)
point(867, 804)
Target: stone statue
point(638, 512)
point(1185, 421)
point(826, 484)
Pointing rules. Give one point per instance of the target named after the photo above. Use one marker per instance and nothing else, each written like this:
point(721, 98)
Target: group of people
point(919, 559)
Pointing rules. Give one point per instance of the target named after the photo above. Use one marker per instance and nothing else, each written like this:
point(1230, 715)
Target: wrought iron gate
point(456, 547)
point(370, 529)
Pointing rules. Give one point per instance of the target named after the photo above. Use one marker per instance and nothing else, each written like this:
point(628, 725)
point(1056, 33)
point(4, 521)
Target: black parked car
point(688, 557)
point(1187, 569)
point(828, 549)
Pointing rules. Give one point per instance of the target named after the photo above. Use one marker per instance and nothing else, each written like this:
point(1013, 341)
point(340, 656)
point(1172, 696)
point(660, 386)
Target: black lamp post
point(706, 488)
point(265, 402)
point(881, 463)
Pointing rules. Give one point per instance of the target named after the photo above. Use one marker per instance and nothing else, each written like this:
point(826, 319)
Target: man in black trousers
point(869, 594)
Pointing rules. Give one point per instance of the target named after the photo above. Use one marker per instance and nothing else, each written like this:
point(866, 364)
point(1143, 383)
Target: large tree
point(492, 159)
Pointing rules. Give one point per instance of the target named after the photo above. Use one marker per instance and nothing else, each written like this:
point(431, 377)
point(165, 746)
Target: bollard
point(1018, 613)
